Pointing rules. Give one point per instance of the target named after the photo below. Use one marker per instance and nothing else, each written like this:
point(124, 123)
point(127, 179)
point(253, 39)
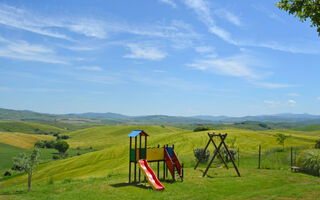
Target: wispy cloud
point(90, 68)
point(318, 98)
point(271, 85)
point(23, 50)
point(240, 66)
point(143, 51)
point(292, 102)
point(202, 9)
point(169, 2)
point(204, 49)
point(293, 94)
point(271, 103)
point(41, 90)
point(222, 13)
point(236, 66)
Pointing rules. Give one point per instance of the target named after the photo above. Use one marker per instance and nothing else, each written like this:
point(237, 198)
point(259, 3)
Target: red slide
point(151, 177)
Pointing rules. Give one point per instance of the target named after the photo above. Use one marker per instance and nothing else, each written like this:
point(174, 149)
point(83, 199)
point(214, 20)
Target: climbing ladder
point(173, 164)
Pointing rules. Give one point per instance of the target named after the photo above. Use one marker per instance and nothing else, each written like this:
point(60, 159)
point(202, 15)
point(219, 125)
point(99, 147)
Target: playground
point(106, 171)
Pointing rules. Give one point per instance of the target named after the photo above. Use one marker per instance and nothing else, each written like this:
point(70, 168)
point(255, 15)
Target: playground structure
point(217, 152)
point(143, 156)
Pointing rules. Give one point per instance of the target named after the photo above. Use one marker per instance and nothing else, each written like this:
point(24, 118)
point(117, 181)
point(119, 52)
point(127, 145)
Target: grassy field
point(107, 167)
point(22, 140)
point(29, 127)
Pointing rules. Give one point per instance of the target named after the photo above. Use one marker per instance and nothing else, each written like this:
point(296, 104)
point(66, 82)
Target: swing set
point(217, 152)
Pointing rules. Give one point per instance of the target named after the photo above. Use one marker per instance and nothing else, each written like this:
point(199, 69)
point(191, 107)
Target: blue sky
point(175, 57)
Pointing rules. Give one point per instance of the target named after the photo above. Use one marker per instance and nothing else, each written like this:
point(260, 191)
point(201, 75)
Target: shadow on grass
point(139, 185)
point(13, 192)
point(217, 175)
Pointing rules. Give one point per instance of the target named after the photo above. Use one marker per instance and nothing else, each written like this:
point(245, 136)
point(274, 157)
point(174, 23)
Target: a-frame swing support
point(217, 152)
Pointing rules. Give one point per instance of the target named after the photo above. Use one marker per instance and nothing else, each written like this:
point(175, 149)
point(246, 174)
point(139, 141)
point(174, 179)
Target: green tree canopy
point(27, 163)
point(62, 146)
point(303, 9)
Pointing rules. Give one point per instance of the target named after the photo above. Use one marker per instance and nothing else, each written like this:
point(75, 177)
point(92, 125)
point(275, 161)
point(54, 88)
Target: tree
point(27, 163)
point(62, 146)
point(303, 9)
point(317, 145)
point(281, 138)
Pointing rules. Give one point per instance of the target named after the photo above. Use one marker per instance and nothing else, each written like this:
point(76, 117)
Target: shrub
point(62, 146)
point(56, 157)
point(7, 173)
point(317, 145)
point(201, 128)
point(309, 161)
point(233, 153)
point(62, 137)
point(199, 155)
point(39, 144)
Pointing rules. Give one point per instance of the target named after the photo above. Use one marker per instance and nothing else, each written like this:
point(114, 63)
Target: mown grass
point(220, 184)
point(22, 140)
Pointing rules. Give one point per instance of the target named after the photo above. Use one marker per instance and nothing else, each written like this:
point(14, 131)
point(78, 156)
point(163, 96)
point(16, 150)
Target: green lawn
point(102, 174)
point(220, 184)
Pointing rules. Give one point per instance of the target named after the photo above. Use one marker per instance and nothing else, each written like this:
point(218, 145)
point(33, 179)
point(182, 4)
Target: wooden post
point(164, 163)
point(214, 155)
point(230, 155)
point(158, 166)
point(135, 159)
point(259, 156)
point(204, 151)
point(167, 167)
point(130, 159)
point(140, 155)
point(182, 171)
point(145, 148)
point(291, 158)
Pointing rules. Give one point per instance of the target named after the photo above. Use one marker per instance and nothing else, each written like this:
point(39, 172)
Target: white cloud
point(271, 103)
point(292, 102)
point(293, 94)
point(228, 16)
point(90, 68)
point(169, 2)
point(23, 50)
point(41, 90)
point(141, 51)
point(271, 85)
point(318, 98)
point(236, 66)
point(204, 49)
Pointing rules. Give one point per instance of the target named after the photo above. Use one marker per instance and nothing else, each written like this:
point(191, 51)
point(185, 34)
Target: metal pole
point(164, 163)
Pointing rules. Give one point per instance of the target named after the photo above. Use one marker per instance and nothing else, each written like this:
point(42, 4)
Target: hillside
point(29, 127)
point(113, 142)
point(21, 140)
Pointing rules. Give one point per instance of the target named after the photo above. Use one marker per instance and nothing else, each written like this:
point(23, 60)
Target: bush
point(62, 137)
point(62, 146)
point(201, 128)
point(198, 154)
point(56, 157)
point(233, 153)
point(317, 145)
point(7, 173)
point(309, 161)
point(49, 144)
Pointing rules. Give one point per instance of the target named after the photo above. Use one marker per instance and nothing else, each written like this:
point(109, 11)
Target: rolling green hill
point(29, 127)
point(22, 140)
point(113, 144)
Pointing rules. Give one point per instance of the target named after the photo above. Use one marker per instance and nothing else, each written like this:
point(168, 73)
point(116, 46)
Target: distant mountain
point(115, 118)
point(98, 115)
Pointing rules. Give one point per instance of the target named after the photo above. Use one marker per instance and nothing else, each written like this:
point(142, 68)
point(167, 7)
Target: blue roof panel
point(134, 133)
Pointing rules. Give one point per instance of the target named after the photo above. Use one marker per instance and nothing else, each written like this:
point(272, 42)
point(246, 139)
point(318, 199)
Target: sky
point(144, 57)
